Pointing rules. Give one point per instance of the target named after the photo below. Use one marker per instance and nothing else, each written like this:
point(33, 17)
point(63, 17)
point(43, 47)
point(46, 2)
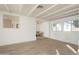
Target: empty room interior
point(39, 29)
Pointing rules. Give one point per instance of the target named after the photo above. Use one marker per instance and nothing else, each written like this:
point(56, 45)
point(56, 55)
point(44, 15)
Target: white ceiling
point(47, 12)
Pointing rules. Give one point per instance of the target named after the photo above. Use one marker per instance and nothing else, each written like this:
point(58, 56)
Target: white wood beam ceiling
point(31, 10)
point(58, 11)
point(20, 8)
point(6, 7)
point(63, 13)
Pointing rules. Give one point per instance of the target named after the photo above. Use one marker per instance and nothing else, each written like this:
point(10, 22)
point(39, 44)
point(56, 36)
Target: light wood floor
point(42, 46)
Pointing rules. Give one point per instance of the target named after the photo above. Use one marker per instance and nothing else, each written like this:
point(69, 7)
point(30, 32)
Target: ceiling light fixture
point(40, 6)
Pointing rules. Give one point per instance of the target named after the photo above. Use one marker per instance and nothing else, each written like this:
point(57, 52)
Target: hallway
point(42, 46)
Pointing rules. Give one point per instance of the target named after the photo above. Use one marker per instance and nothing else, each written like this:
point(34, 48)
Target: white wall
point(37, 27)
point(25, 32)
point(71, 37)
point(44, 27)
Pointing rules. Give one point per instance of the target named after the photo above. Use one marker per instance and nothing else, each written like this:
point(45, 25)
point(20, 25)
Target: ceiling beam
point(58, 10)
point(32, 10)
point(46, 10)
point(5, 5)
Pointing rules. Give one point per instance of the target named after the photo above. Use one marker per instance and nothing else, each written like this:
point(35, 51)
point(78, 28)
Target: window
point(67, 26)
point(72, 25)
point(56, 27)
point(75, 25)
point(10, 21)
